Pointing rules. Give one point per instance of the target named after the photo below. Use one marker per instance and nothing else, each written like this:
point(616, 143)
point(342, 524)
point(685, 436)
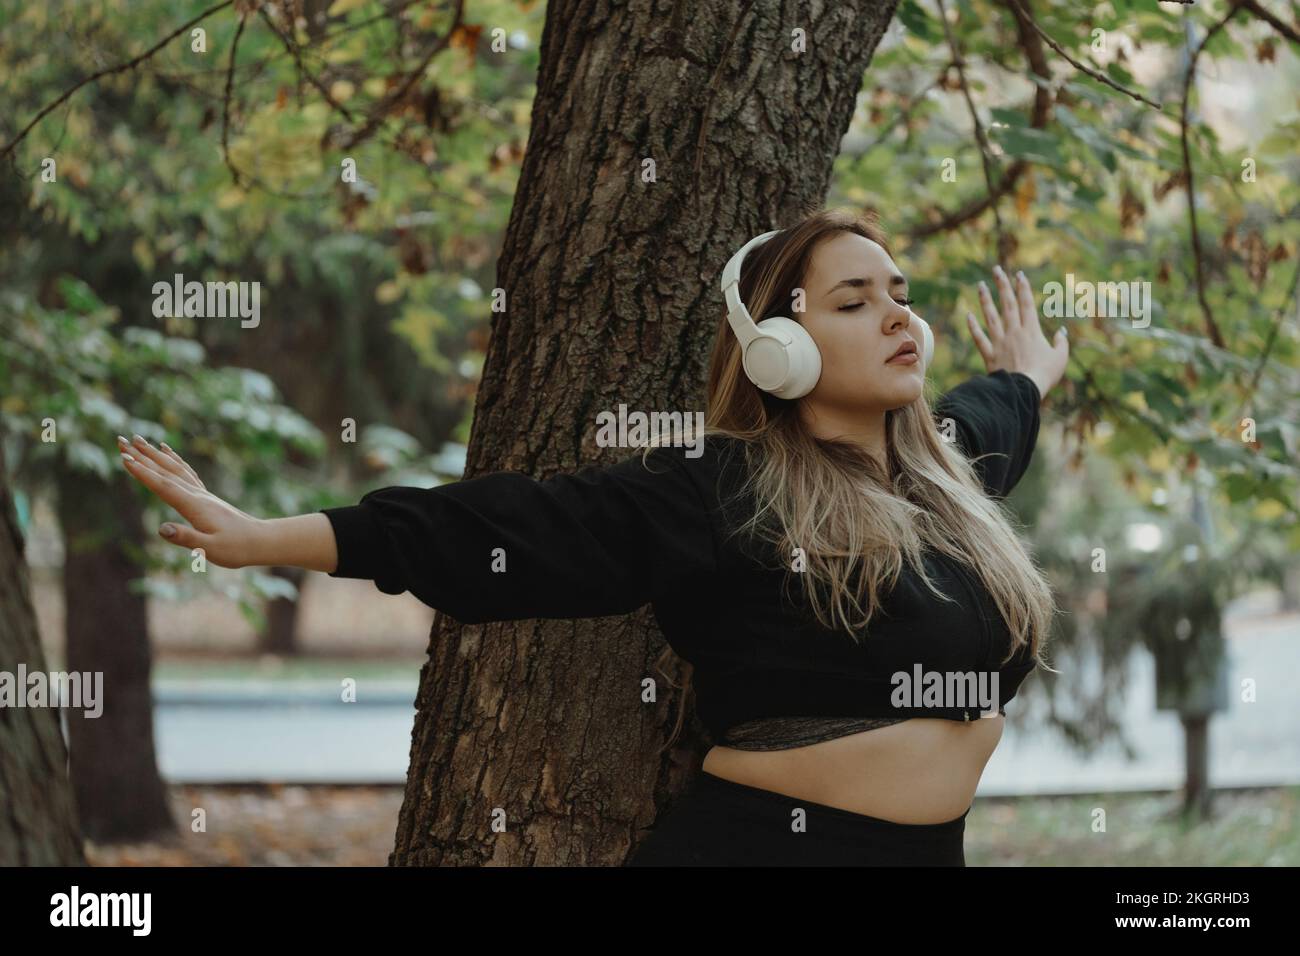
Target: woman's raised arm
point(1015, 341)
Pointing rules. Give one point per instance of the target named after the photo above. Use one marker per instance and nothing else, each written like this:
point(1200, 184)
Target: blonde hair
point(856, 523)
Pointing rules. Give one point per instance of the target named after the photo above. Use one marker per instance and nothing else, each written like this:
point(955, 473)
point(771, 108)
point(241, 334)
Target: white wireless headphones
point(778, 354)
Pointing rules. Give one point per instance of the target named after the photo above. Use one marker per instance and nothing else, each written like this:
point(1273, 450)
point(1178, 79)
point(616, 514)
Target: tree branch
point(1037, 60)
point(1289, 303)
point(1289, 32)
point(120, 68)
point(291, 45)
point(1211, 326)
point(974, 208)
point(225, 102)
point(1099, 77)
point(381, 108)
point(986, 157)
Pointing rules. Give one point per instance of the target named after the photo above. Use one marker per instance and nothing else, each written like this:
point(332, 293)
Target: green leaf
point(1008, 116)
point(78, 295)
point(917, 21)
point(1037, 145)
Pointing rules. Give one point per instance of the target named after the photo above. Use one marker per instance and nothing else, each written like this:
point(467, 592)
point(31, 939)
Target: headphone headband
point(742, 323)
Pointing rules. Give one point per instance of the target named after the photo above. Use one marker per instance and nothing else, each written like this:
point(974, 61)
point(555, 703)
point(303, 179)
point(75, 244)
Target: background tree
point(39, 825)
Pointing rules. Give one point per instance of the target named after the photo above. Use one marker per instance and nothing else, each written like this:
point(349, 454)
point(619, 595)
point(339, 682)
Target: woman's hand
point(1015, 340)
point(228, 536)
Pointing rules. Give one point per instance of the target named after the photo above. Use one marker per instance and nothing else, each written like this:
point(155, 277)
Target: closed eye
point(857, 305)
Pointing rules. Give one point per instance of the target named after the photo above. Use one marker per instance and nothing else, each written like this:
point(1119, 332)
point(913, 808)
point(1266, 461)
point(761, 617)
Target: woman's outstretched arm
point(502, 546)
point(230, 538)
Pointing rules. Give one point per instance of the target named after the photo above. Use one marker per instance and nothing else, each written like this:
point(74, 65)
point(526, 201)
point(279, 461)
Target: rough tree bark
point(612, 296)
point(38, 818)
point(114, 769)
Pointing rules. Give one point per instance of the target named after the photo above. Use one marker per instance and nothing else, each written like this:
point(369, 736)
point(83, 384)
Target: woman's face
point(856, 313)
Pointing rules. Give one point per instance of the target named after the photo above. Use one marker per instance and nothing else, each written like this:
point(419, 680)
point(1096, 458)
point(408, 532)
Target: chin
point(905, 393)
point(901, 398)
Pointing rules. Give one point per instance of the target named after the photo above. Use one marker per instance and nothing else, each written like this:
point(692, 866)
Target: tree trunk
point(279, 636)
point(114, 770)
point(38, 825)
point(1196, 766)
point(612, 296)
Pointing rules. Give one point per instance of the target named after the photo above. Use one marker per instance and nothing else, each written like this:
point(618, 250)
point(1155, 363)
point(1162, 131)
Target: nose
point(898, 318)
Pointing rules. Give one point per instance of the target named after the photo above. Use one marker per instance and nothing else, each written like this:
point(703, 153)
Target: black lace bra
point(785, 733)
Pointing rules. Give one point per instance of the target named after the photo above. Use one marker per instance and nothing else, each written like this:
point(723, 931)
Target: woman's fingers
point(179, 496)
point(170, 463)
point(1025, 297)
point(990, 311)
point(184, 536)
point(981, 340)
point(143, 451)
point(182, 462)
point(1010, 310)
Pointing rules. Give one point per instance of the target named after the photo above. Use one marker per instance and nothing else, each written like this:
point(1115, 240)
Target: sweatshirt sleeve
point(603, 540)
point(996, 418)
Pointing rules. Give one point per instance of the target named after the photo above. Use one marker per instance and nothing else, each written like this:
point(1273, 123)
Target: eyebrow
point(866, 283)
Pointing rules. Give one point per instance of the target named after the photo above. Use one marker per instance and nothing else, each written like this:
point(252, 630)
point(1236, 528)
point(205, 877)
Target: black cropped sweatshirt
point(606, 540)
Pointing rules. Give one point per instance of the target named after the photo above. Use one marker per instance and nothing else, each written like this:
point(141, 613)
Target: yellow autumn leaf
point(1269, 509)
point(1026, 192)
point(340, 7)
point(388, 291)
point(143, 253)
point(1135, 400)
point(342, 90)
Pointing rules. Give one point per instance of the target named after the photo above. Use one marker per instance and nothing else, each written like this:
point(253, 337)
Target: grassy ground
point(354, 826)
point(1247, 828)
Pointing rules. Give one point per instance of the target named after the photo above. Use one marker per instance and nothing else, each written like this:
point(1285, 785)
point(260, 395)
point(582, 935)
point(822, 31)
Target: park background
point(600, 162)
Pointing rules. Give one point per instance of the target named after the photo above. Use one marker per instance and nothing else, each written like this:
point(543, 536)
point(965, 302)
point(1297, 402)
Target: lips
point(907, 348)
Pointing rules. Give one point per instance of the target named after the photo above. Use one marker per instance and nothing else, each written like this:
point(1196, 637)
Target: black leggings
point(717, 822)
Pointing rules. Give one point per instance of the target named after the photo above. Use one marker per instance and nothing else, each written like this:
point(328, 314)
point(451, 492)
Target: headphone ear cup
point(784, 360)
point(927, 345)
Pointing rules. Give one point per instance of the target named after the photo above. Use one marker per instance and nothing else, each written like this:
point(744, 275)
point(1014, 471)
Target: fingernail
point(167, 530)
point(164, 446)
point(139, 438)
point(1000, 270)
point(983, 287)
point(127, 457)
point(123, 440)
point(1020, 275)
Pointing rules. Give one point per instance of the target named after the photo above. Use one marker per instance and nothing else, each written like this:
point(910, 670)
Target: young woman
point(835, 564)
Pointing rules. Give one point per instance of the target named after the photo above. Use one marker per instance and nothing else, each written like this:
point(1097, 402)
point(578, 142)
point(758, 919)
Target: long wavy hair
point(857, 522)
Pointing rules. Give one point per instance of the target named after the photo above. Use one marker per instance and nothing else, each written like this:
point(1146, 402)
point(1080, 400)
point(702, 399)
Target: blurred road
point(1251, 744)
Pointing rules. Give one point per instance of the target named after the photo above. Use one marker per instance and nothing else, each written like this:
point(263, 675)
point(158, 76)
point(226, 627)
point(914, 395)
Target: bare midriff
point(923, 770)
